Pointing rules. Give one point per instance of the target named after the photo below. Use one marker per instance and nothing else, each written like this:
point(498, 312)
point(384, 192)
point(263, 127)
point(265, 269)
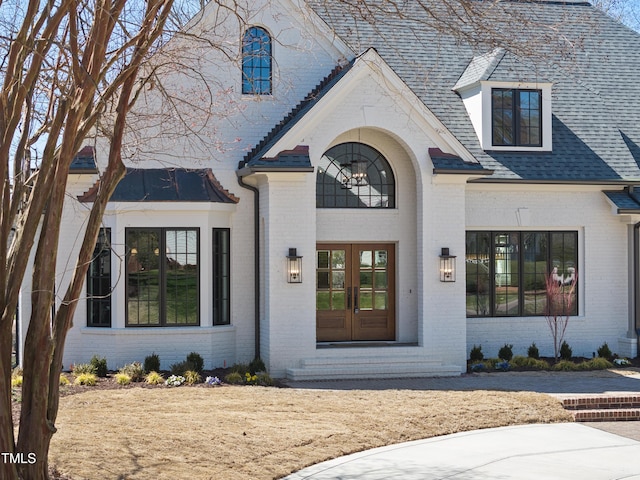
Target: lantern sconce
point(294, 266)
point(447, 266)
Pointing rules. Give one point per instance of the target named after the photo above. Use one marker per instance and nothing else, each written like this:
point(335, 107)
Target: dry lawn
point(262, 433)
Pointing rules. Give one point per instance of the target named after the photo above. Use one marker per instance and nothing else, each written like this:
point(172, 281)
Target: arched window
point(256, 61)
point(354, 175)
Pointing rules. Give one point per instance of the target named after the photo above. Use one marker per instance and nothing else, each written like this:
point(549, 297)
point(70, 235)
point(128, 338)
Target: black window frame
point(221, 276)
point(257, 61)
point(489, 257)
point(337, 162)
point(162, 275)
point(99, 287)
point(516, 122)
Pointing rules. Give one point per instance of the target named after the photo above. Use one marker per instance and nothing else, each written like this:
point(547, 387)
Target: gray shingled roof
point(624, 200)
point(596, 92)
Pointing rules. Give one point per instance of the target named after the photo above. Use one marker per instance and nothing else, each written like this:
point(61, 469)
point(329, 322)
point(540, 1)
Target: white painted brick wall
point(603, 268)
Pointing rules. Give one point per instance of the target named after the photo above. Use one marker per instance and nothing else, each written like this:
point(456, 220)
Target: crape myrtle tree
point(65, 64)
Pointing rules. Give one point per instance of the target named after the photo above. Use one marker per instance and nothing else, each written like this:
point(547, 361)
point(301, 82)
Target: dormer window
point(516, 117)
point(512, 116)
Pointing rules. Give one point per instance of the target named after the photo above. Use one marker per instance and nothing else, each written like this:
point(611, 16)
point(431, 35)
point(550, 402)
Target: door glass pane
point(366, 280)
point(381, 280)
point(366, 300)
point(323, 301)
point(381, 258)
point(323, 279)
point(366, 259)
point(338, 259)
point(337, 279)
point(323, 259)
point(337, 301)
point(380, 300)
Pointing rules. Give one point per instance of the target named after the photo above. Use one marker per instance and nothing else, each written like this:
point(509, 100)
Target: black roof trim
point(295, 114)
point(166, 185)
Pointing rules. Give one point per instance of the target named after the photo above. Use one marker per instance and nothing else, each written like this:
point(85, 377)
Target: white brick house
point(385, 156)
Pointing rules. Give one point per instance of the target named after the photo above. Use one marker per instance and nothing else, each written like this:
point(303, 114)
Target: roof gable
point(595, 91)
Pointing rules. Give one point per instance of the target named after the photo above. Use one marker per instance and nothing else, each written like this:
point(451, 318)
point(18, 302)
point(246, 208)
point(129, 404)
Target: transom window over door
point(162, 276)
point(354, 175)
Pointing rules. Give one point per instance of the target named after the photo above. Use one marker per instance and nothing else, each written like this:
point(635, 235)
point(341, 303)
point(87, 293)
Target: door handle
point(349, 298)
point(356, 307)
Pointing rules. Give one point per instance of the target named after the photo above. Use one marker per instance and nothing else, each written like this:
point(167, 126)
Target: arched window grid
point(333, 188)
point(257, 53)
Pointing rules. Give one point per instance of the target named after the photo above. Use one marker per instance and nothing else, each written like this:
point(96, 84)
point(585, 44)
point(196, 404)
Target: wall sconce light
point(447, 266)
point(294, 266)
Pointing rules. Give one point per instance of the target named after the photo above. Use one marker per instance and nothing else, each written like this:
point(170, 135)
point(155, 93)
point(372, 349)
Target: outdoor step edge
point(606, 415)
point(602, 402)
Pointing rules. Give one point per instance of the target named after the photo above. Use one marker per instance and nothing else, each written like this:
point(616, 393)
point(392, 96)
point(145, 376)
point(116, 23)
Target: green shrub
point(64, 380)
point(196, 360)
point(529, 363)
point(181, 367)
point(123, 378)
point(595, 364)
point(490, 363)
point(154, 378)
point(240, 368)
point(565, 366)
point(532, 352)
point(99, 365)
point(265, 379)
point(257, 365)
point(89, 379)
point(476, 354)
point(152, 363)
point(82, 368)
point(191, 377)
point(234, 378)
point(506, 352)
point(16, 380)
point(565, 351)
point(604, 351)
point(134, 370)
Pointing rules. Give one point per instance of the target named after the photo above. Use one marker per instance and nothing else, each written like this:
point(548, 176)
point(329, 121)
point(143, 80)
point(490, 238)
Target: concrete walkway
point(598, 451)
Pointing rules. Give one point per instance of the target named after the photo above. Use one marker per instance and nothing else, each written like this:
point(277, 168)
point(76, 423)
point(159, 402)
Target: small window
point(354, 175)
point(162, 277)
point(256, 62)
point(99, 282)
point(221, 276)
point(506, 271)
point(516, 117)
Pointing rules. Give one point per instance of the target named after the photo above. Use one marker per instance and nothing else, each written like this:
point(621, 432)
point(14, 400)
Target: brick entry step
point(603, 407)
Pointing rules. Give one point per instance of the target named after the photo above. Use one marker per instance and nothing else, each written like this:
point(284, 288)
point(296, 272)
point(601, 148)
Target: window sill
point(194, 330)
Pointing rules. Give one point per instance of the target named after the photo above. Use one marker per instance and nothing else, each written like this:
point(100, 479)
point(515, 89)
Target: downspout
point(256, 261)
point(636, 280)
point(636, 272)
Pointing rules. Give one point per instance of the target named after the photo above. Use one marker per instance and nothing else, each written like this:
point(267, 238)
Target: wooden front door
point(355, 292)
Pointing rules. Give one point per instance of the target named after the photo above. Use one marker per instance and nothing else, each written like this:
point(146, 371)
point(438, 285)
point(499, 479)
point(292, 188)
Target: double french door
point(355, 292)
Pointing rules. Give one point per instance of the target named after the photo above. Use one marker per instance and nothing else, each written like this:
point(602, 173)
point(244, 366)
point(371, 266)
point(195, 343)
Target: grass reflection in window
point(162, 277)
